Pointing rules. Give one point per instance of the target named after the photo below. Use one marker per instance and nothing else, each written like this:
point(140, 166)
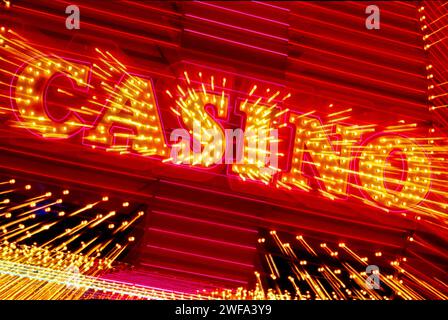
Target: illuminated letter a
point(132, 115)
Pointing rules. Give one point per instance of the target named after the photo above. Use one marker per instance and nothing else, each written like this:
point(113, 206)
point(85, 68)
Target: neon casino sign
point(129, 102)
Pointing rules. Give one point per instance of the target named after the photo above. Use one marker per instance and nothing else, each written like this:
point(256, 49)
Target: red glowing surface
point(203, 223)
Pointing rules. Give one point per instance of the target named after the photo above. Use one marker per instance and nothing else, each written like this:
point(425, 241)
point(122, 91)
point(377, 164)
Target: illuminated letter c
point(29, 96)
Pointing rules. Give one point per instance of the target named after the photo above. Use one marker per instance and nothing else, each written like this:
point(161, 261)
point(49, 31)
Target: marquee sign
point(390, 169)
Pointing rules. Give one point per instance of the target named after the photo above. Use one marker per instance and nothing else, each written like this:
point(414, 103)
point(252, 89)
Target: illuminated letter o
point(376, 171)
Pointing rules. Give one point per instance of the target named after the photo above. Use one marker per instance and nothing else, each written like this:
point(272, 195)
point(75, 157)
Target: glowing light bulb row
point(21, 224)
point(346, 266)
